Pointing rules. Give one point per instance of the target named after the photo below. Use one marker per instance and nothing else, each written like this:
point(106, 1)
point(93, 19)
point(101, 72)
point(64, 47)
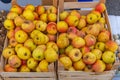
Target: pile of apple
point(85, 42)
point(31, 38)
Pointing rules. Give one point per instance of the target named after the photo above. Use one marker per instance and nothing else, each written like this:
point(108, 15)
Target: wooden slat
point(29, 79)
point(28, 74)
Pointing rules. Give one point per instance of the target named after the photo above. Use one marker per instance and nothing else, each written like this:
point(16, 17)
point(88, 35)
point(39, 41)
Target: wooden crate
point(84, 8)
point(51, 75)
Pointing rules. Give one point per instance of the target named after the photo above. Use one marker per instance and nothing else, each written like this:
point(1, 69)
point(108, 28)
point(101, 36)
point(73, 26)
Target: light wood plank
point(29, 79)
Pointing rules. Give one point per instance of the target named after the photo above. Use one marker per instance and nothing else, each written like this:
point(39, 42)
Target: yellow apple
point(102, 20)
point(91, 18)
point(12, 15)
point(30, 44)
point(62, 26)
point(24, 68)
point(18, 46)
point(52, 17)
point(21, 36)
point(79, 65)
point(98, 53)
point(89, 58)
point(38, 54)
point(23, 53)
point(41, 25)
point(32, 63)
point(50, 55)
point(82, 23)
point(43, 17)
point(18, 21)
point(28, 14)
point(52, 45)
point(10, 33)
point(29, 6)
point(52, 9)
point(8, 24)
point(72, 20)
point(100, 46)
point(75, 13)
point(52, 28)
point(66, 62)
point(7, 52)
point(75, 54)
point(63, 15)
point(43, 66)
point(17, 9)
point(108, 57)
point(40, 9)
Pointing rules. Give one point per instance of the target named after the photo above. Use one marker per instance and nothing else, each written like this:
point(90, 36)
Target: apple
point(30, 44)
point(24, 68)
point(82, 23)
point(72, 20)
point(91, 18)
point(8, 24)
point(28, 14)
point(89, 58)
point(52, 45)
point(43, 17)
point(79, 65)
point(43, 66)
point(72, 30)
point(12, 15)
point(104, 36)
point(75, 13)
point(52, 17)
point(93, 29)
point(97, 13)
point(100, 7)
point(85, 49)
point(66, 62)
point(63, 15)
point(38, 54)
point(36, 16)
point(102, 20)
point(111, 45)
point(100, 46)
point(41, 26)
point(68, 49)
point(18, 46)
point(28, 26)
point(21, 36)
point(97, 53)
point(17, 9)
point(32, 63)
point(10, 33)
point(34, 33)
point(62, 26)
point(88, 68)
point(75, 54)
point(8, 68)
point(14, 61)
point(40, 39)
point(90, 40)
point(43, 47)
point(37, 69)
point(99, 66)
point(18, 21)
point(108, 57)
point(62, 40)
point(78, 42)
point(80, 33)
point(50, 55)
point(52, 9)
point(40, 9)
point(30, 7)
point(13, 42)
point(52, 28)
point(52, 37)
point(23, 53)
point(7, 52)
